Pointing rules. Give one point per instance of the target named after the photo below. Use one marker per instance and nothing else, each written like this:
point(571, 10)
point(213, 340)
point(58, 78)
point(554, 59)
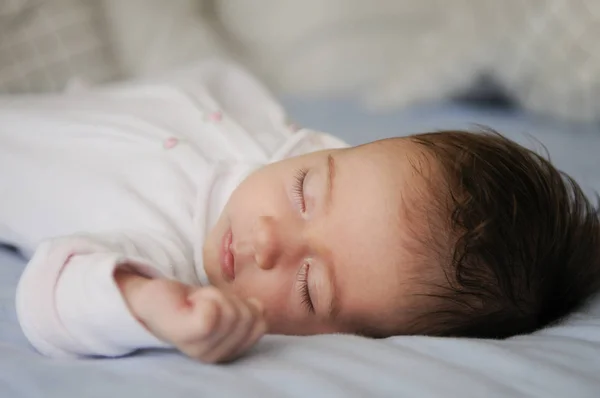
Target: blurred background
point(378, 57)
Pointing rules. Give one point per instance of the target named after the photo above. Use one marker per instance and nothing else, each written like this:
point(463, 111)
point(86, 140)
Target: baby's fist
point(216, 327)
point(202, 322)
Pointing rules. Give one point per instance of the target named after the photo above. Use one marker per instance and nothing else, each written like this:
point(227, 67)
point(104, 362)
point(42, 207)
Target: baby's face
point(321, 239)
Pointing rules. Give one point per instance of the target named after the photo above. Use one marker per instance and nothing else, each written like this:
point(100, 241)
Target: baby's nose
point(266, 242)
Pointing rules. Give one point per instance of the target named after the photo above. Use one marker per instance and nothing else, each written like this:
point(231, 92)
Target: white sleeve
point(220, 84)
point(228, 86)
point(68, 302)
point(257, 111)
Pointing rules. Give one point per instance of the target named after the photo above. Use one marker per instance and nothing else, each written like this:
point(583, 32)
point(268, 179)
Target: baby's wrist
point(131, 285)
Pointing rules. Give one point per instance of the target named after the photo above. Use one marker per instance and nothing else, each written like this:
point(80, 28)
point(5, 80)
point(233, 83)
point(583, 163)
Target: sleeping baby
point(186, 212)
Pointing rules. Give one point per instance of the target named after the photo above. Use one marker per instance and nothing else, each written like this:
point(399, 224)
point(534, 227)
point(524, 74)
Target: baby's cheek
point(275, 306)
point(245, 198)
point(278, 322)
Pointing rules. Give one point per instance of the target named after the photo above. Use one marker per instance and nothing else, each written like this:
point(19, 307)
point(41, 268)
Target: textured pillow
point(549, 56)
point(543, 54)
point(46, 43)
point(153, 36)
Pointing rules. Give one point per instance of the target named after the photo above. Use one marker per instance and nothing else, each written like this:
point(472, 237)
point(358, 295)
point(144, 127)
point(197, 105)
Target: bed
point(563, 361)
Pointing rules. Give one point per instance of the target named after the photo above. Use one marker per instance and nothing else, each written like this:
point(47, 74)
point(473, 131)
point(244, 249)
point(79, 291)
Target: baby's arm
point(70, 304)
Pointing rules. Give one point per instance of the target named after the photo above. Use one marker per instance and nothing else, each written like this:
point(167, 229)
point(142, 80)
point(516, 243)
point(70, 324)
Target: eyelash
point(299, 188)
point(303, 287)
point(303, 275)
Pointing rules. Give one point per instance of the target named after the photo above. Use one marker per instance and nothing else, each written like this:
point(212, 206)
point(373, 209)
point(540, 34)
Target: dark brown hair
point(526, 240)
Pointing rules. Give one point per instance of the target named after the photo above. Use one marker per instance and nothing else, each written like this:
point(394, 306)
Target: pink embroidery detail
point(170, 142)
point(216, 116)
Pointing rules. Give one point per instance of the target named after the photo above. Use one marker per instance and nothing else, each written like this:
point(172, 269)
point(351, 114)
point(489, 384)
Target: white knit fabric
point(44, 44)
point(544, 53)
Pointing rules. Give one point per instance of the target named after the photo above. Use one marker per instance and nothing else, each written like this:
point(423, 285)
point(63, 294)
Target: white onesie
point(137, 174)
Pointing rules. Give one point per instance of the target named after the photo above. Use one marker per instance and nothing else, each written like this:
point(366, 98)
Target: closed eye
point(304, 290)
point(298, 188)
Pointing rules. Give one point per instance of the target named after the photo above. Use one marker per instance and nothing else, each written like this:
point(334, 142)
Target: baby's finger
point(234, 334)
point(259, 328)
point(243, 337)
point(230, 311)
point(200, 322)
point(203, 346)
point(204, 330)
point(258, 331)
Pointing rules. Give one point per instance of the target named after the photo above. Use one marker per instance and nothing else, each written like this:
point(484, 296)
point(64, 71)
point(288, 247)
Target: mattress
point(562, 361)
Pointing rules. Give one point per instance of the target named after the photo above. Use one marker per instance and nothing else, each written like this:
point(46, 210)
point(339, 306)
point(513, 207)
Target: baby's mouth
point(227, 259)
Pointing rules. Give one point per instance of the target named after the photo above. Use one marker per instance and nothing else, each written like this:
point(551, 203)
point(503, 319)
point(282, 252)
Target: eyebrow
point(333, 306)
point(330, 180)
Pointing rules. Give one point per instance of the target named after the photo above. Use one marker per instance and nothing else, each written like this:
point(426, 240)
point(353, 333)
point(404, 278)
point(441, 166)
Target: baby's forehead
point(391, 232)
point(402, 167)
point(397, 152)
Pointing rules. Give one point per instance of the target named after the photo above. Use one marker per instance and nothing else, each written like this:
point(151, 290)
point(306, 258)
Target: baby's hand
point(202, 322)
